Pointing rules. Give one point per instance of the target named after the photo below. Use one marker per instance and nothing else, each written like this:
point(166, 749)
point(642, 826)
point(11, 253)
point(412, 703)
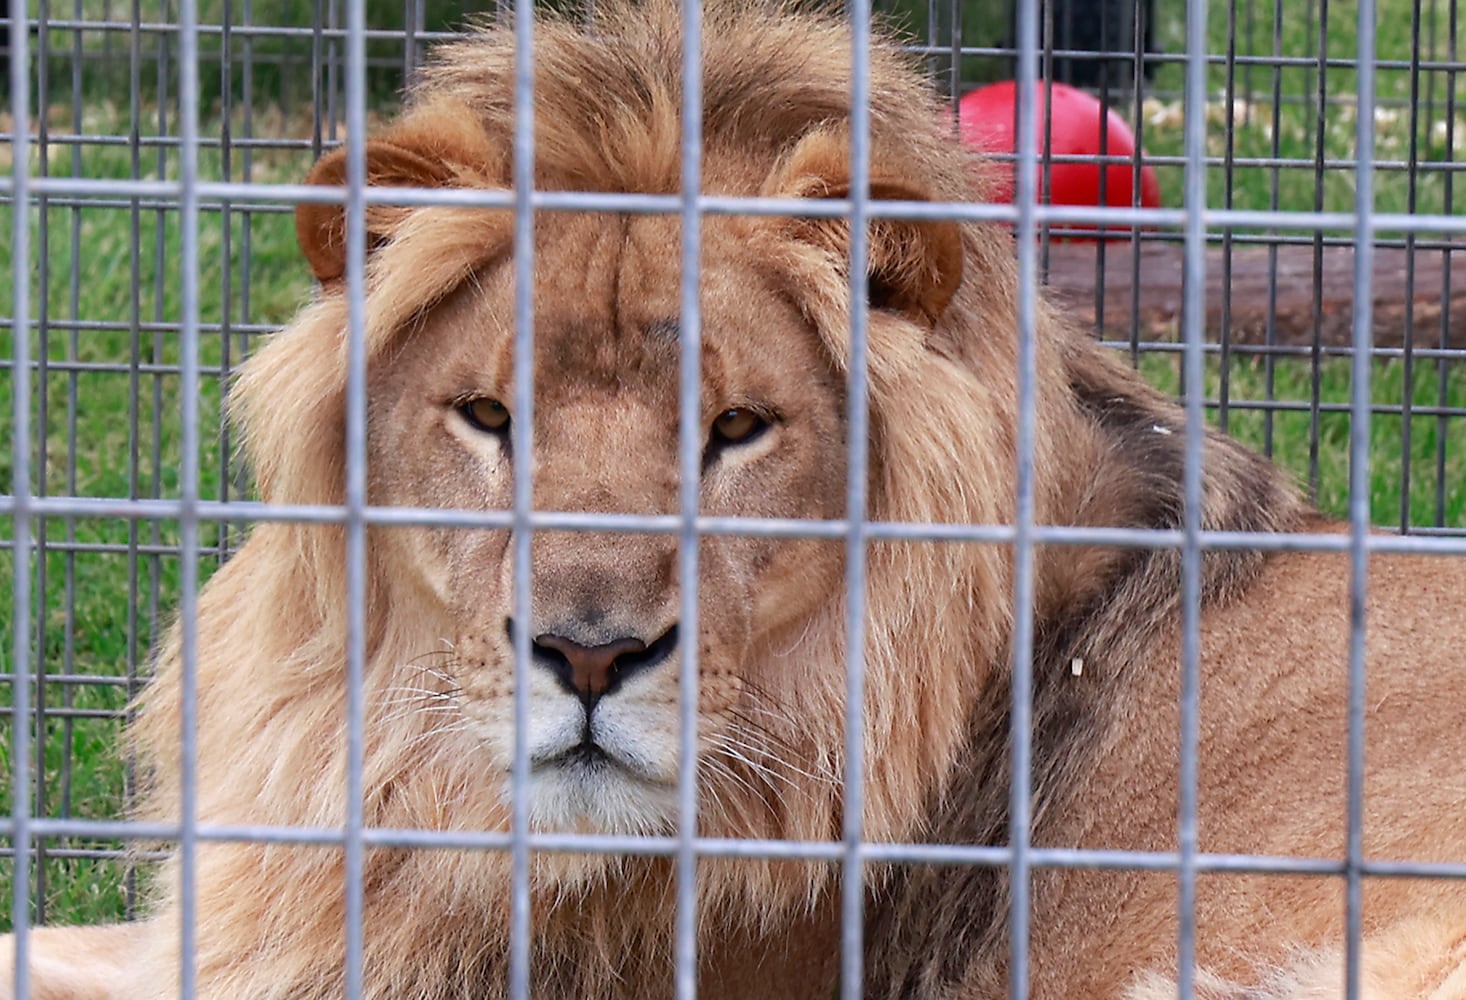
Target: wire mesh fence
point(1297, 273)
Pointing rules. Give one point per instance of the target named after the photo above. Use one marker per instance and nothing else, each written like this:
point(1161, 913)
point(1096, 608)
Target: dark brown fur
point(931, 926)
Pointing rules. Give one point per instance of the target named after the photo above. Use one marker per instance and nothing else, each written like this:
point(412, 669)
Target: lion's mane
point(271, 651)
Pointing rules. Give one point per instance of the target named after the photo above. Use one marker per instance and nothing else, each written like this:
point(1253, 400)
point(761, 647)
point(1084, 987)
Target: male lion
point(602, 737)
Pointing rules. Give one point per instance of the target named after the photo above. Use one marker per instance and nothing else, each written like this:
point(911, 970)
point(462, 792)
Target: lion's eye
point(732, 428)
point(487, 415)
point(737, 426)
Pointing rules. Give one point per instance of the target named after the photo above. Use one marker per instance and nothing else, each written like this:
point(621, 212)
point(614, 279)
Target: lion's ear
point(438, 145)
point(914, 266)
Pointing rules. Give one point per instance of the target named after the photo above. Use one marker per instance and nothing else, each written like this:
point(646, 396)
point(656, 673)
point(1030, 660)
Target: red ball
point(988, 118)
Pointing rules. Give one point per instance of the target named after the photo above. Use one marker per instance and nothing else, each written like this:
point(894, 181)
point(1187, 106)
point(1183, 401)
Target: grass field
point(112, 428)
point(108, 407)
point(1288, 130)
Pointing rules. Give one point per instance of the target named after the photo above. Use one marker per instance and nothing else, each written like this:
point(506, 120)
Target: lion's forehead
point(616, 263)
point(587, 353)
point(610, 315)
point(625, 275)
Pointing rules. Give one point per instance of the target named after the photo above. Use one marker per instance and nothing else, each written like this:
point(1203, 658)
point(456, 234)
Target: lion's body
point(272, 625)
point(1271, 781)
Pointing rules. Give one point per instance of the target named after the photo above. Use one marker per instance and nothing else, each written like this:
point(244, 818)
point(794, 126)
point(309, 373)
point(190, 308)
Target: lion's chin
point(598, 795)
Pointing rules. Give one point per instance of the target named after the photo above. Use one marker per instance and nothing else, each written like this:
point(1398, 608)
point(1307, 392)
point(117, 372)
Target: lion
point(940, 621)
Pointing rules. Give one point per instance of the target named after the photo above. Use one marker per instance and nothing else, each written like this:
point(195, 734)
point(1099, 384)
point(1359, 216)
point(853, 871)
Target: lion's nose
point(589, 672)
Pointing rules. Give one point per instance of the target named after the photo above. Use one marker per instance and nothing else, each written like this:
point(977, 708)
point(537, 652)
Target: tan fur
point(1421, 958)
point(943, 353)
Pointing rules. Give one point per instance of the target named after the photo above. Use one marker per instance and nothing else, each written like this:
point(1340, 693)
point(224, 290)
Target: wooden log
point(1439, 288)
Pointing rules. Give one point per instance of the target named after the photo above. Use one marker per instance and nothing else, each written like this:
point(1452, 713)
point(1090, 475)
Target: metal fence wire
point(1297, 277)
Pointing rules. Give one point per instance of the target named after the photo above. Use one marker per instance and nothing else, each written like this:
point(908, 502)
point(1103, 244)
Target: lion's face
point(603, 734)
point(608, 640)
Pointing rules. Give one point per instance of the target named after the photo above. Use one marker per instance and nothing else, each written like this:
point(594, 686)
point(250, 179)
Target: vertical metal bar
point(412, 25)
point(1046, 145)
point(220, 529)
point(62, 802)
point(1443, 373)
point(158, 353)
point(1312, 18)
point(954, 86)
point(852, 903)
point(246, 216)
point(1192, 327)
point(1101, 249)
point(1319, 157)
point(1430, 80)
point(333, 68)
point(690, 442)
point(73, 348)
point(20, 451)
point(933, 14)
point(1101, 243)
point(1229, 170)
point(356, 485)
point(1359, 418)
point(188, 521)
point(318, 77)
point(1412, 179)
point(1020, 791)
point(134, 391)
point(43, 446)
point(1136, 180)
point(1250, 19)
point(522, 431)
point(420, 25)
point(1270, 335)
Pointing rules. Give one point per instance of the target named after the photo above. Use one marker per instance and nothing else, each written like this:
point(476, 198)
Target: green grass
point(276, 66)
point(1290, 129)
point(98, 450)
point(1401, 482)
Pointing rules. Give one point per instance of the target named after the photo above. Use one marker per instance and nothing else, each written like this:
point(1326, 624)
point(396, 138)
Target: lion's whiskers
point(759, 702)
point(772, 770)
point(440, 696)
point(735, 767)
point(720, 767)
point(775, 744)
point(428, 710)
point(463, 725)
point(398, 694)
point(433, 671)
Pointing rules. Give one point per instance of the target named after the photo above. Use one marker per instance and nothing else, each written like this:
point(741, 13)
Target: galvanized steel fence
point(153, 154)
